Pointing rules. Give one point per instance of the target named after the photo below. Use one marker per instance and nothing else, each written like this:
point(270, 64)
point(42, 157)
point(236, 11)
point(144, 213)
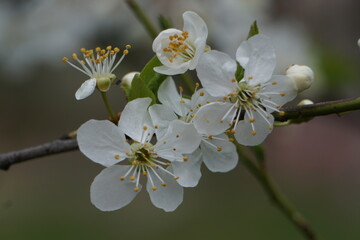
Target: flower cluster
point(166, 143)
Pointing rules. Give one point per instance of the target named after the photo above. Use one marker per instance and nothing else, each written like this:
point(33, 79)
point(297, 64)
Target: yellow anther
point(97, 49)
point(282, 94)
point(102, 51)
point(193, 115)
point(117, 156)
point(122, 178)
point(210, 137)
point(145, 128)
point(270, 127)
point(231, 94)
point(181, 89)
point(125, 52)
point(83, 50)
point(116, 50)
point(74, 56)
point(133, 163)
point(177, 136)
point(136, 189)
point(112, 52)
point(171, 38)
point(231, 140)
point(156, 126)
point(182, 101)
point(221, 121)
point(201, 94)
point(108, 48)
point(191, 110)
point(185, 34)
point(197, 84)
point(225, 98)
point(176, 178)
point(233, 79)
point(167, 164)
point(219, 148)
point(199, 105)
point(128, 46)
point(228, 131)
point(132, 178)
point(185, 159)
point(249, 78)
point(144, 173)
point(171, 59)
point(233, 131)
point(208, 102)
point(252, 120)
point(82, 61)
point(230, 124)
point(164, 142)
point(127, 154)
point(163, 184)
point(273, 83)
point(176, 36)
point(282, 113)
point(253, 132)
point(174, 149)
point(65, 59)
point(153, 188)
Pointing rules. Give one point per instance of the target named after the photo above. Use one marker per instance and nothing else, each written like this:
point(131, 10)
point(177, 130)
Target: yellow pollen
point(199, 105)
point(136, 189)
point(145, 128)
point(144, 173)
point(231, 94)
point(74, 56)
point(125, 52)
point(82, 61)
point(191, 110)
point(249, 78)
point(233, 131)
point(225, 98)
point(218, 100)
point(219, 148)
point(278, 106)
point(156, 126)
point(163, 184)
point(153, 188)
point(221, 121)
point(210, 137)
point(182, 101)
point(201, 94)
point(171, 59)
point(132, 178)
point(208, 102)
point(176, 178)
point(282, 113)
point(185, 159)
point(270, 127)
point(282, 94)
point(117, 156)
point(83, 50)
point(193, 115)
point(133, 163)
point(65, 59)
point(108, 48)
point(233, 80)
point(122, 178)
point(228, 131)
point(127, 154)
point(230, 124)
point(116, 50)
point(181, 89)
point(167, 164)
point(252, 120)
point(128, 46)
point(102, 51)
point(231, 140)
point(253, 133)
point(273, 83)
point(164, 142)
point(197, 84)
point(97, 49)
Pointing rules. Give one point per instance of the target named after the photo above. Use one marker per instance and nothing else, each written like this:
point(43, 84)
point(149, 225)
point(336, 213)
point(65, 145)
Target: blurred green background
point(315, 164)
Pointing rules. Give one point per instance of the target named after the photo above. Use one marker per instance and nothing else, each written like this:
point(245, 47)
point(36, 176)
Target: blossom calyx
point(302, 75)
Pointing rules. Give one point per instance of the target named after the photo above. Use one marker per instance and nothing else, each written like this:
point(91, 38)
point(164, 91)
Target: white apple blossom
point(179, 50)
point(217, 152)
point(303, 76)
point(249, 102)
point(117, 185)
point(98, 65)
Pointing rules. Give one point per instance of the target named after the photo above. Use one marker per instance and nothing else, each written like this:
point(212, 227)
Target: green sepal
point(254, 30)
point(140, 90)
point(239, 74)
point(151, 78)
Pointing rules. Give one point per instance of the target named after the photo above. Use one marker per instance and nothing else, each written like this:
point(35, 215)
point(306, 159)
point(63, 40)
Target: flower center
point(142, 155)
point(179, 46)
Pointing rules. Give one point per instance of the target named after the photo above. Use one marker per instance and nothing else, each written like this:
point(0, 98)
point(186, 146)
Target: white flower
point(117, 185)
point(303, 76)
point(250, 101)
point(179, 50)
point(98, 65)
point(217, 152)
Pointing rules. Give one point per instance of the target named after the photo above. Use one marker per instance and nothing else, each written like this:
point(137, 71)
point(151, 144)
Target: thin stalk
point(107, 105)
point(276, 196)
point(188, 82)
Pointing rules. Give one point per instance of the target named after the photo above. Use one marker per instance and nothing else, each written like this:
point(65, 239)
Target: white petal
point(135, 120)
point(243, 54)
point(262, 61)
point(169, 96)
point(195, 26)
point(161, 116)
point(209, 120)
point(165, 70)
point(188, 172)
point(200, 98)
point(243, 131)
point(86, 89)
point(103, 142)
point(108, 193)
point(216, 71)
point(219, 161)
point(181, 137)
point(167, 198)
point(281, 89)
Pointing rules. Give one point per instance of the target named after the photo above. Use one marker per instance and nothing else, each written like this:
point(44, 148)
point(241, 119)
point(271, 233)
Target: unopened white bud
point(305, 102)
point(302, 76)
point(127, 79)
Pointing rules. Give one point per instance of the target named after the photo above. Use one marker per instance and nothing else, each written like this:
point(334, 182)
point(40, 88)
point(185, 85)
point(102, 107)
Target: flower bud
point(305, 102)
point(103, 82)
point(127, 79)
point(302, 76)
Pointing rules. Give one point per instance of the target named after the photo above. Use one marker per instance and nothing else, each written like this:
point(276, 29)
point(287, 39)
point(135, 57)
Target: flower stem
point(189, 83)
point(107, 105)
point(146, 22)
point(275, 195)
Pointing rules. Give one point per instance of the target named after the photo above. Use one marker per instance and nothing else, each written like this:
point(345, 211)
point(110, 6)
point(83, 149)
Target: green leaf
point(259, 154)
point(165, 22)
point(139, 89)
point(239, 74)
point(254, 30)
point(151, 78)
